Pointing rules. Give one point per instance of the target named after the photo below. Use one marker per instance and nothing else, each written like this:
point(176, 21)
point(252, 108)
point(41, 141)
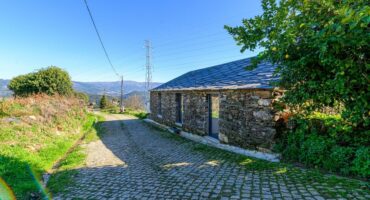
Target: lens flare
point(5, 192)
point(45, 194)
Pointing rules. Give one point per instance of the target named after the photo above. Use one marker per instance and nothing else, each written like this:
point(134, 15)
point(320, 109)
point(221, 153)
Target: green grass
point(95, 131)
point(65, 173)
point(128, 111)
point(322, 182)
point(28, 149)
point(136, 113)
point(67, 169)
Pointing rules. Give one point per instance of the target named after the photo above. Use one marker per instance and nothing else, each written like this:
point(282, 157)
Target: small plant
point(361, 163)
point(314, 150)
point(338, 159)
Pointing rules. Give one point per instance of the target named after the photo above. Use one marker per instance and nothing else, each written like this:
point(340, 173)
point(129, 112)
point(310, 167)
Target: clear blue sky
point(185, 34)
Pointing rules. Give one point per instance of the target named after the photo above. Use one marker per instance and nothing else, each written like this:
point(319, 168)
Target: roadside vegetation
point(321, 50)
point(38, 126)
point(36, 131)
point(62, 176)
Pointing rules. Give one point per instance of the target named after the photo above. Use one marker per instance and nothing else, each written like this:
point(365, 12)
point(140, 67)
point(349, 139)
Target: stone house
point(226, 102)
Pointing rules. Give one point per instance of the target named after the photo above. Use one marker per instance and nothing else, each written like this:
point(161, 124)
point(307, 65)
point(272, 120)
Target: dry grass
point(42, 106)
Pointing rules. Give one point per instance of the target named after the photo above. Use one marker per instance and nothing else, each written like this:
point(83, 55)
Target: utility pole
point(148, 66)
point(121, 108)
point(148, 76)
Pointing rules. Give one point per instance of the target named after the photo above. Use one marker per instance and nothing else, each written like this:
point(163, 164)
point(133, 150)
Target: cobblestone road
point(135, 161)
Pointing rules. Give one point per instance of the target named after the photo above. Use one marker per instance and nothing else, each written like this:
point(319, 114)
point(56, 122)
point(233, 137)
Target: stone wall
point(246, 116)
point(195, 111)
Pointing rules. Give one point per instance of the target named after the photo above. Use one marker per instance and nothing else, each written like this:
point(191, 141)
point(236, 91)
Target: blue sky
point(185, 35)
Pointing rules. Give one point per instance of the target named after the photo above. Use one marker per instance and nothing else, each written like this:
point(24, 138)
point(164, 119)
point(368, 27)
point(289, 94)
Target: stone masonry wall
point(247, 119)
point(246, 116)
point(195, 111)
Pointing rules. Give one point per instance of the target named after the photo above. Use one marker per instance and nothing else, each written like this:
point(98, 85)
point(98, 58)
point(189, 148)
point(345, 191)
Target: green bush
point(327, 142)
point(338, 159)
point(314, 150)
point(361, 163)
point(51, 80)
point(292, 147)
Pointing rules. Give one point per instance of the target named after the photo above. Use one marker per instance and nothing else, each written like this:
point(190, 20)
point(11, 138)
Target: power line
point(101, 41)
point(197, 62)
point(175, 46)
point(209, 48)
point(106, 55)
point(191, 39)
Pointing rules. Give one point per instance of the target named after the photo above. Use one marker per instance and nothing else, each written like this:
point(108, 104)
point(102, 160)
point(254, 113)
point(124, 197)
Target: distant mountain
point(4, 91)
point(94, 88)
point(110, 88)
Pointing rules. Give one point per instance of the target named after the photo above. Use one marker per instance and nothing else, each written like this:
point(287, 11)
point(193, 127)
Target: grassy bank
point(63, 175)
point(35, 132)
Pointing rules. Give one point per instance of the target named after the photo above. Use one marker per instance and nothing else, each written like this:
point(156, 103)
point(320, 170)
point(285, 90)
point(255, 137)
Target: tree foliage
point(321, 49)
point(51, 80)
point(104, 103)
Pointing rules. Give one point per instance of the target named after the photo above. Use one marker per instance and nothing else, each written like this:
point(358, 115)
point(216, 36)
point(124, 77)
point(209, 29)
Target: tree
point(321, 50)
point(51, 80)
point(135, 102)
point(104, 102)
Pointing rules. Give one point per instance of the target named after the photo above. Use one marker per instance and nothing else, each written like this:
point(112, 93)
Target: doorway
point(213, 114)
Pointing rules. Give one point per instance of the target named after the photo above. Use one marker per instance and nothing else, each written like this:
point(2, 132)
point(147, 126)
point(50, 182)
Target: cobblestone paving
point(156, 165)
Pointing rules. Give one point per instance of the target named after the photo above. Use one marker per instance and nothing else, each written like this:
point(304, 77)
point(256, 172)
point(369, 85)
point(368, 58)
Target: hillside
point(94, 88)
point(36, 132)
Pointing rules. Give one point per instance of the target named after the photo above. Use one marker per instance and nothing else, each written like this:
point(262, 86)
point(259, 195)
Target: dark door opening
point(213, 115)
point(179, 108)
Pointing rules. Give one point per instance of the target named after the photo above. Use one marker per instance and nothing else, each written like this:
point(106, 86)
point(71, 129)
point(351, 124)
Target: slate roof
point(232, 75)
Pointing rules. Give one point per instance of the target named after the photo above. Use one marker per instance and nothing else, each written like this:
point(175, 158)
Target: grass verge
point(136, 113)
point(128, 111)
point(35, 132)
point(67, 169)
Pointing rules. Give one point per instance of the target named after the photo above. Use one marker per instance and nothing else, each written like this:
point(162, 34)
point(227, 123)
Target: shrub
point(292, 146)
point(361, 163)
point(338, 159)
point(327, 142)
point(314, 150)
point(51, 81)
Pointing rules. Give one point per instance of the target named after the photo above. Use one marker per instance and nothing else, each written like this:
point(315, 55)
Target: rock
point(223, 138)
point(32, 117)
point(11, 119)
point(264, 102)
point(262, 115)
